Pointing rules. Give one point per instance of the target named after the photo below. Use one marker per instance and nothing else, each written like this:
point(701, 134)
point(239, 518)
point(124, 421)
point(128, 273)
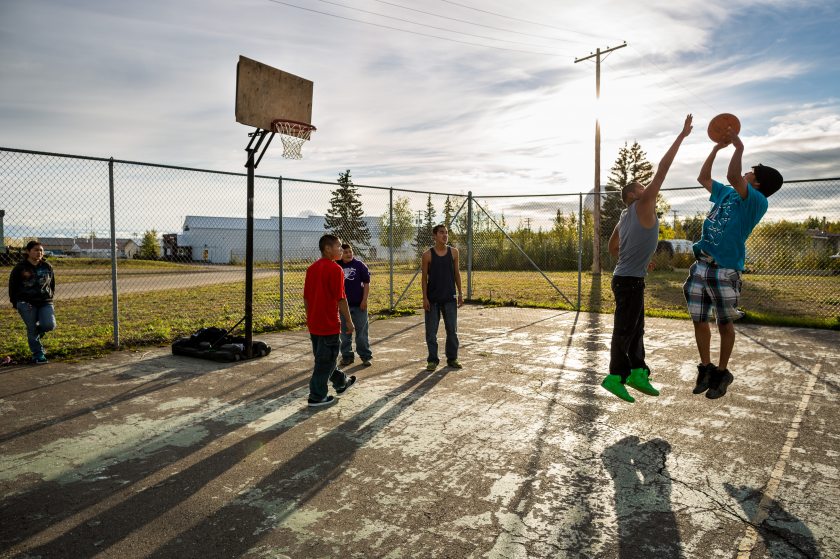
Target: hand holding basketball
point(723, 127)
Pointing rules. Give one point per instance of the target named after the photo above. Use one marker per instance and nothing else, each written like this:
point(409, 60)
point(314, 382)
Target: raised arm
point(652, 190)
point(733, 175)
point(705, 176)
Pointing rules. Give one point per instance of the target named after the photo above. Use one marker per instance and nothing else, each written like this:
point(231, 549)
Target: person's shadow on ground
point(784, 535)
point(647, 525)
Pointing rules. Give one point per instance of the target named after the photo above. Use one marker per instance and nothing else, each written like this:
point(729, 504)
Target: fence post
point(469, 243)
point(114, 293)
point(280, 238)
point(391, 246)
point(580, 243)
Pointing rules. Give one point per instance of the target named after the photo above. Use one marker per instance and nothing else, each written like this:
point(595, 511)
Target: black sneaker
point(721, 379)
point(366, 362)
point(704, 375)
point(349, 381)
point(346, 361)
point(327, 401)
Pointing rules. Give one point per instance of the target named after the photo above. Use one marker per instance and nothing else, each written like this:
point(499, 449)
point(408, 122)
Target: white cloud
point(155, 81)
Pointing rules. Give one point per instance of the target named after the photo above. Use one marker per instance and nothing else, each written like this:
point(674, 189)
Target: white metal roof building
point(221, 240)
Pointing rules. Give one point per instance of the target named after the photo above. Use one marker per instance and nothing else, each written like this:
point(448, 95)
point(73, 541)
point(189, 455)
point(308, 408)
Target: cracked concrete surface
point(521, 454)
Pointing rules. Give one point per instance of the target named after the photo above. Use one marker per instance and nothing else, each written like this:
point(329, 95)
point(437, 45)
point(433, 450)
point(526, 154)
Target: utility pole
point(596, 216)
point(675, 220)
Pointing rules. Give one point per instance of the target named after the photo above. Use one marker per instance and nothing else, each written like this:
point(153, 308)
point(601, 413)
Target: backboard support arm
point(251, 164)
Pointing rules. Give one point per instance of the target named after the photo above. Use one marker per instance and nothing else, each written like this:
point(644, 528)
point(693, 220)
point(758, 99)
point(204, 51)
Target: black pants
point(627, 350)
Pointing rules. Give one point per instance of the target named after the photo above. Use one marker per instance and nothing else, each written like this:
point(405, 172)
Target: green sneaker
point(431, 366)
point(454, 363)
point(638, 379)
point(613, 384)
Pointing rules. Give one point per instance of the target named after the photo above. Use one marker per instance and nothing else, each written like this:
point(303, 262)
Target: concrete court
point(520, 454)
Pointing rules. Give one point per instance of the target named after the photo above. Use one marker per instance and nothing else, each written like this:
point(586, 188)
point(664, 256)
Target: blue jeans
point(449, 310)
point(38, 320)
point(360, 322)
point(325, 349)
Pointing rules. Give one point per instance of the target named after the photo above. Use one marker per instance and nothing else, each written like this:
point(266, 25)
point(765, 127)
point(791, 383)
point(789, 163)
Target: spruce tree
point(611, 204)
point(344, 217)
point(630, 166)
point(448, 216)
point(423, 239)
point(448, 213)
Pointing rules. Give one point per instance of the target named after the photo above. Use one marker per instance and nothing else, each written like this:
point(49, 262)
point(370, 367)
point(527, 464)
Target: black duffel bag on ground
point(217, 345)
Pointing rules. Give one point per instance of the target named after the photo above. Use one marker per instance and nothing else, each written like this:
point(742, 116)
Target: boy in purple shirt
point(356, 287)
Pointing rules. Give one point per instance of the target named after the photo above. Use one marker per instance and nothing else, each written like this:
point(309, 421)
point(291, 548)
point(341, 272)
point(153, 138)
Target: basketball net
point(292, 134)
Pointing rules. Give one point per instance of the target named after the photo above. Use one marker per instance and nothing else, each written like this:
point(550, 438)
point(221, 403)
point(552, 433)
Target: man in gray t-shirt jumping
point(633, 241)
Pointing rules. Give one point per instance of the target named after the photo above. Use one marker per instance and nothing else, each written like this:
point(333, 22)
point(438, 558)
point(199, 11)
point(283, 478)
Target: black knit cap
point(769, 178)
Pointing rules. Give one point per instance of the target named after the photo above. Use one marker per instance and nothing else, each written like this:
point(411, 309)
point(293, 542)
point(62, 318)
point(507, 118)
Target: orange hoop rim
point(293, 125)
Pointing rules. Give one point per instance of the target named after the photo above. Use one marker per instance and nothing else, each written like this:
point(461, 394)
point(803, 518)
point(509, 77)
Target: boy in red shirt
point(323, 298)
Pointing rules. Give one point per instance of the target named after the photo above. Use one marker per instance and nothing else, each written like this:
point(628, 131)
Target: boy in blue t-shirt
point(714, 280)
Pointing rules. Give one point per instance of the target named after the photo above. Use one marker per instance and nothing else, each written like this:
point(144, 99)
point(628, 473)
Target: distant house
point(88, 248)
point(823, 239)
point(172, 251)
point(221, 240)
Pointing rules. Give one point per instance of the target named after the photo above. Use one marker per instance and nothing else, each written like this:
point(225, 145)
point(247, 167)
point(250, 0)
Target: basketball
point(718, 127)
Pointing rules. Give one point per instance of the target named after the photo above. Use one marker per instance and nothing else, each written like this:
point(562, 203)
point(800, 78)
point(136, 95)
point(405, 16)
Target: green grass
point(156, 318)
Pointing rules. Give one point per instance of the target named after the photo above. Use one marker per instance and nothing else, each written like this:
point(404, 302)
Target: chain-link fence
point(144, 253)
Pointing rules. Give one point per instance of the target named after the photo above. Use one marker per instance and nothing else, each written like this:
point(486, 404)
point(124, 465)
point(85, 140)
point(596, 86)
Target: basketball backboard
point(264, 94)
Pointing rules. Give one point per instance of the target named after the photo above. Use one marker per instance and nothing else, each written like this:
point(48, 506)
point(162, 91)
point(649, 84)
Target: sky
point(432, 95)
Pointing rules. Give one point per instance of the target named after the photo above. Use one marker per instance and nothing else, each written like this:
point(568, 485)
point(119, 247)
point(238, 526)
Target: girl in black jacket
point(31, 289)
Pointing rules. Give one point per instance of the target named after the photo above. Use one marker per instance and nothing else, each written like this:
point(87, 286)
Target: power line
point(474, 23)
point(568, 30)
point(425, 25)
point(411, 32)
point(788, 156)
point(684, 107)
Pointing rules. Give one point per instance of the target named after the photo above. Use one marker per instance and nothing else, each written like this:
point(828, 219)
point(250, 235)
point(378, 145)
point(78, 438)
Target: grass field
point(85, 325)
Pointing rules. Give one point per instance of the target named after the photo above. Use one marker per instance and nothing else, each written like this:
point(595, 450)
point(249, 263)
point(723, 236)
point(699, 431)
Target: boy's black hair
point(626, 189)
point(327, 240)
point(32, 244)
point(346, 245)
point(769, 178)
point(438, 227)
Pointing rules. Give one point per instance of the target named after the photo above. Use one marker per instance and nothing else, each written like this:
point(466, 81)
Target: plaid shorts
point(710, 287)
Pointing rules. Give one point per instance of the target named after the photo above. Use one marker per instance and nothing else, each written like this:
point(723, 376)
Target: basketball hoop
point(292, 134)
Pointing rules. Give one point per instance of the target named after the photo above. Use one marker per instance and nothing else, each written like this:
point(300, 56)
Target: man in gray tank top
point(633, 241)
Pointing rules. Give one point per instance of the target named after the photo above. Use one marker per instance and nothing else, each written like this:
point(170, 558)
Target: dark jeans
point(449, 310)
point(627, 350)
point(325, 349)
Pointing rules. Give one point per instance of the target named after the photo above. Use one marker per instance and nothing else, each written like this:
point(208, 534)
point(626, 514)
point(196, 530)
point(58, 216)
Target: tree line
point(783, 245)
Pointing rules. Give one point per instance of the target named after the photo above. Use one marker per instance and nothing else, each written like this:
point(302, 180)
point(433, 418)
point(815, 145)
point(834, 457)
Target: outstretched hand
point(687, 126)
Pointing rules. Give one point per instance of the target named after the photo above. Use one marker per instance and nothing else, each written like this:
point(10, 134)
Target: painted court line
point(747, 543)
